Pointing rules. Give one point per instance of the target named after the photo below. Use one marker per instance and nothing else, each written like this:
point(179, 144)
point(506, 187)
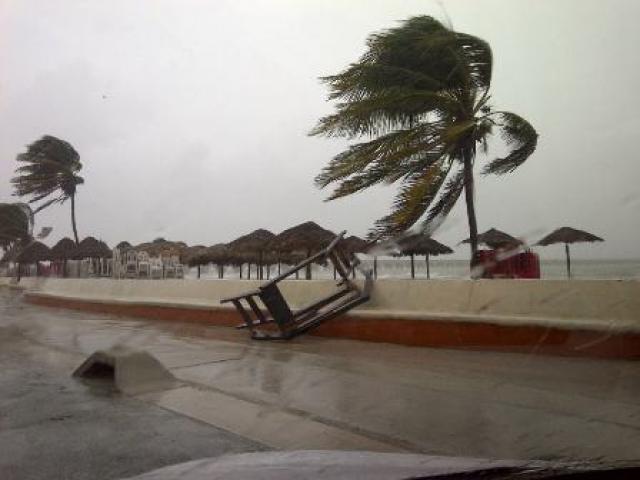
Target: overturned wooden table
point(291, 323)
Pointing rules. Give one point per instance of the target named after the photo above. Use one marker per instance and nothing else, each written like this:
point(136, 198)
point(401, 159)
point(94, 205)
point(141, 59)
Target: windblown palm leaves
point(421, 95)
point(49, 171)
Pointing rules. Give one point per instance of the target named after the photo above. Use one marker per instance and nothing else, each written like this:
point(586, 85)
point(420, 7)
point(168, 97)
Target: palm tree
point(420, 94)
point(16, 224)
point(50, 169)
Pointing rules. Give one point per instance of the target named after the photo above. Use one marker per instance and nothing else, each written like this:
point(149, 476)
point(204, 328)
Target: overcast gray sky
point(191, 116)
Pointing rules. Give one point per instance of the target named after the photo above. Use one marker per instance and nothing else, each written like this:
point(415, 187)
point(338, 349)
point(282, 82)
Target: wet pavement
point(238, 395)
point(55, 427)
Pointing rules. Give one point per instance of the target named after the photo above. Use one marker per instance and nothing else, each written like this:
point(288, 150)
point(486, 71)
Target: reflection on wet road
point(326, 393)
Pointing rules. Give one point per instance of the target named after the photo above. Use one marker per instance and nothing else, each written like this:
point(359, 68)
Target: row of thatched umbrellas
point(65, 249)
point(263, 248)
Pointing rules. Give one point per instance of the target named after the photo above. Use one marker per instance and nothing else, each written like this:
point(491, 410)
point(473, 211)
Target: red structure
point(502, 264)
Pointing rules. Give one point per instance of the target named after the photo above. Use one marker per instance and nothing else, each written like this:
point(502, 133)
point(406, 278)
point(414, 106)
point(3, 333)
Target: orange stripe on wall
point(418, 333)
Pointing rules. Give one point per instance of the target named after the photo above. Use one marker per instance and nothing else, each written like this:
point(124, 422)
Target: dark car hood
point(325, 465)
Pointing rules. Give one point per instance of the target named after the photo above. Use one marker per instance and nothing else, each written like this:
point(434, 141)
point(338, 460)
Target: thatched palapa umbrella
point(192, 256)
point(568, 235)
point(218, 254)
point(90, 247)
point(35, 252)
point(160, 247)
point(63, 251)
point(124, 245)
point(420, 244)
point(95, 250)
point(306, 238)
point(253, 247)
point(352, 245)
point(494, 238)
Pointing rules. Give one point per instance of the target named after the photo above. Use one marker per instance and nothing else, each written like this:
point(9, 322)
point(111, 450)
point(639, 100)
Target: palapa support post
point(568, 254)
point(426, 259)
point(413, 267)
point(307, 272)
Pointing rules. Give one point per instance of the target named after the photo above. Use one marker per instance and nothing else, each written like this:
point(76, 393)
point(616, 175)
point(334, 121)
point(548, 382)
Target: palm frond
point(395, 148)
point(50, 202)
point(362, 80)
point(394, 109)
point(477, 58)
point(447, 199)
point(518, 134)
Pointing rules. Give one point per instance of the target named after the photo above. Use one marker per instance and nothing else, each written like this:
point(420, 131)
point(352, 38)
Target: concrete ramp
point(130, 371)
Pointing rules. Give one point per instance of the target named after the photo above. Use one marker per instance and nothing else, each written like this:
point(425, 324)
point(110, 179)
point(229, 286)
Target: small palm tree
point(421, 95)
point(50, 169)
point(16, 224)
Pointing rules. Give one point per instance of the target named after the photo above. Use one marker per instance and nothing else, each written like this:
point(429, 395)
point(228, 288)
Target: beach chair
point(291, 322)
point(156, 268)
point(131, 264)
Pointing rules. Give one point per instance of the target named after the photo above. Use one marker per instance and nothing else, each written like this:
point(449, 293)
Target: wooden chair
point(291, 323)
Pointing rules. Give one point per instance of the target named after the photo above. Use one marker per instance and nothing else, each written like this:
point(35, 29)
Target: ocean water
point(401, 268)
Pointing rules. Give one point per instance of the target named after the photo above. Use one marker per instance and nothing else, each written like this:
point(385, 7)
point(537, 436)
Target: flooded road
point(311, 393)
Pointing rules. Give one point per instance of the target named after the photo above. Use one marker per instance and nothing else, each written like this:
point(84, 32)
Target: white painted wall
point(601, 304)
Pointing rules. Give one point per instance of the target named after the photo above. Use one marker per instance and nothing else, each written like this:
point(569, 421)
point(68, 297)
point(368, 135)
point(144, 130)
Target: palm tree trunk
point(468, 196)
point(73, 217)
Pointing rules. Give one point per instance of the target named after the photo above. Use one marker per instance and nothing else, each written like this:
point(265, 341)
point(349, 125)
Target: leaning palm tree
point(420, 94)
point(16, 231)
point(49, 171)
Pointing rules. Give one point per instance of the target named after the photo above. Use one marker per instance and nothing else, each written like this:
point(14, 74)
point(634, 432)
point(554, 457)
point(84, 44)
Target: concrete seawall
point(594, 318)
